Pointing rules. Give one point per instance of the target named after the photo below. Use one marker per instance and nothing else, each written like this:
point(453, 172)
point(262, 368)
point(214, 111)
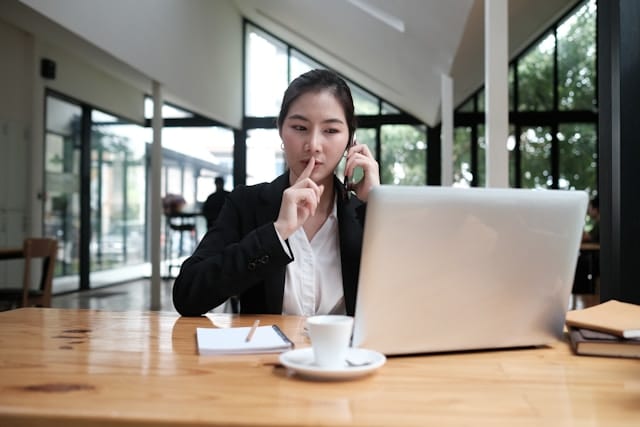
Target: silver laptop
point(450, 269)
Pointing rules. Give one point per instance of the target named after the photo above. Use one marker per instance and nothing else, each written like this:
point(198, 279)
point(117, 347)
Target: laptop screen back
point(448, 269)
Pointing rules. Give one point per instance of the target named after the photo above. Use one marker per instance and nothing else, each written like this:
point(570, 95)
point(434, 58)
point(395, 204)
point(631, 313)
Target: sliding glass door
point(118, 193)
point(95, 185)
point(62, 182)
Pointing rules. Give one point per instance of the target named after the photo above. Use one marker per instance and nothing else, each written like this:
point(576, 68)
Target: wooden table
point(81, 367)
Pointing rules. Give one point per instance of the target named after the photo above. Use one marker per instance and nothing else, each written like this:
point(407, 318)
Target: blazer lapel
point(270, 200)
point(350, 235)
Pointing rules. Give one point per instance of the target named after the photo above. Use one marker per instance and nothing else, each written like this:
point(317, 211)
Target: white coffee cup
point(330, 338)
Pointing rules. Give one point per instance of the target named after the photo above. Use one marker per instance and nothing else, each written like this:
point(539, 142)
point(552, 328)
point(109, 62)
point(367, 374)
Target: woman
point(291, 246)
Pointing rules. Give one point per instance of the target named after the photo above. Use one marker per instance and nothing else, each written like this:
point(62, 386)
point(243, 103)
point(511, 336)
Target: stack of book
point(608, 329)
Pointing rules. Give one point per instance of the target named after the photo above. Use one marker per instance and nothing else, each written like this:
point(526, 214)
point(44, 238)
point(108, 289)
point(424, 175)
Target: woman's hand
point(360, 156)
point(299, 202)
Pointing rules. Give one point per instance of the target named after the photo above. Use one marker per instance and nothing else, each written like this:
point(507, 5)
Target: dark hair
point(219, 180)
point(316, 81)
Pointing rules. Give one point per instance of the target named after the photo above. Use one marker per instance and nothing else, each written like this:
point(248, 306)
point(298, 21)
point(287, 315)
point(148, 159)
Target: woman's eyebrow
point(297, 117)
point(301, 117)
point(333, 121)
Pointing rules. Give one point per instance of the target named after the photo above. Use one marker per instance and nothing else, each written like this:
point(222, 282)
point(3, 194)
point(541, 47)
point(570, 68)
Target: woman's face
point(315, 126)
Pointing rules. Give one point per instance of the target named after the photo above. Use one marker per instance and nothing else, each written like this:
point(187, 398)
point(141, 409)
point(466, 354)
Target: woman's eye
point(332, 131)
point(299, 128)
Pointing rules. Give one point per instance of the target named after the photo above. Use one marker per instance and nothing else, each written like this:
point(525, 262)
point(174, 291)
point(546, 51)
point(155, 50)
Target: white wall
point(15, 129)
point(193, 48)
point(125, 46)
point(15, 114)
point(22, 117)
point(82, 81)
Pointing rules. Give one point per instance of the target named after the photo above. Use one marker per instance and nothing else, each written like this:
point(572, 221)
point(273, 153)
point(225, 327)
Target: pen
point(252, 331)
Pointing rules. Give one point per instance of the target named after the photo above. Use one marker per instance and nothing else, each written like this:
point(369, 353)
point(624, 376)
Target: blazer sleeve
point(238, 252)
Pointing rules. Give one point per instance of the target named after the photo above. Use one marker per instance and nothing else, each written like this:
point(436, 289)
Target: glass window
point(189, 187)
point(511, 148)
point(192, 158)
point(512, 92)
point(168, 111)
point(266, 73)
point(481, 176)
point(301, 63)
point(367, 136)
point(363, 136)
point(173, 173)
point(208, 149)
point(363, 101)
point(118, 192)
point(535, 152)
point(265, 158)
point(62, 182)
point(578, 157)
point(577, 59)
point(481, 100)
point(467, 107)
point(462, 175)
point(535, 77)
point(389, 109)
point(403, 154)
point(264, 144)
point(530, 151)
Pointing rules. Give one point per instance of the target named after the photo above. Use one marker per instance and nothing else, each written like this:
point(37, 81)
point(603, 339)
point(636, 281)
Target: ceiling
point(399, 49)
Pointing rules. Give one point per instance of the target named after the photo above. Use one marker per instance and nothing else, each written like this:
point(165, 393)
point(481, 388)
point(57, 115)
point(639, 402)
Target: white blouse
point(313, 281)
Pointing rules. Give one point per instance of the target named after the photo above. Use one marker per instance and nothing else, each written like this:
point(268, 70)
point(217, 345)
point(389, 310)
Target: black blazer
point(241, 254)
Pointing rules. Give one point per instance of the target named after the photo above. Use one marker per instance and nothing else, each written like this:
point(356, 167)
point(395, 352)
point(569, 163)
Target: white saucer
point(301, 362)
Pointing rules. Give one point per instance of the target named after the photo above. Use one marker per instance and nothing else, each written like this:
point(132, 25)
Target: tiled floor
point(136, 296)
point(131, 296)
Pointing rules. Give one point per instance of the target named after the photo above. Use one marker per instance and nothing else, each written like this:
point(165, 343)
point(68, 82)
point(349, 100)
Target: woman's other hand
point(359, 155)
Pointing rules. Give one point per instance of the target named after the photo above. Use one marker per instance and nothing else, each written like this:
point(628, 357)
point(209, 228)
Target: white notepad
point(266, 339)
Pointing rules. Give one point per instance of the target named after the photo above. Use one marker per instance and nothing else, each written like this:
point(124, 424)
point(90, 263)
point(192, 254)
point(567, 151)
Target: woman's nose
point(314, 141)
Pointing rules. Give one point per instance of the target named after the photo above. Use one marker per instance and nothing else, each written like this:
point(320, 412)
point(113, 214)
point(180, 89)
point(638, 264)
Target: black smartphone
point(351, 143)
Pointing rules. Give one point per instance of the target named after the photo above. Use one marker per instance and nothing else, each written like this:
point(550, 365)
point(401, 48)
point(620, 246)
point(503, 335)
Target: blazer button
point(251, 266)
point(264, 259)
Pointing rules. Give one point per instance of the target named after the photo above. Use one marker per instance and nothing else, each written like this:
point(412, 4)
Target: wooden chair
point(34, 248)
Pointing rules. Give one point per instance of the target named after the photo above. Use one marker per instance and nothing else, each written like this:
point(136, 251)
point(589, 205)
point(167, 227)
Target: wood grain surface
point(61, 367)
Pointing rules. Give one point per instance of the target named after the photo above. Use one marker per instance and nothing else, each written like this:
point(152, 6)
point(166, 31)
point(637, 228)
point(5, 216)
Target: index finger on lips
point(306, 173)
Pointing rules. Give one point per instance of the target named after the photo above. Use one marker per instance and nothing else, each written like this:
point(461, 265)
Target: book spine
point(586, 325)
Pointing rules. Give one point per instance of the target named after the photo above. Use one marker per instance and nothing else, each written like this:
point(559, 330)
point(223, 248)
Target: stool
point(179, 223)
